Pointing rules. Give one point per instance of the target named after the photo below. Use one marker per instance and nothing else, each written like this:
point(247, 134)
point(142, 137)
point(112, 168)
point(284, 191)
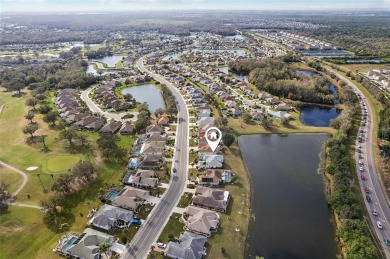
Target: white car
point(361, 169)
point(375, 213)
point(360, 162)
point(378, 223)
point(161, 245)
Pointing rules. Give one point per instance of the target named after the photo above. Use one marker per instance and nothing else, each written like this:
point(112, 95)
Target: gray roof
point(108, 215)
point(190, 246)
point(88, 246)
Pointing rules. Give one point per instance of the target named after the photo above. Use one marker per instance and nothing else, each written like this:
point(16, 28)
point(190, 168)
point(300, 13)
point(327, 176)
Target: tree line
point(278, 78)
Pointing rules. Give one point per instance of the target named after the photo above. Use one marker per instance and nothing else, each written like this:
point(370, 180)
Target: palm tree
point(104, 248)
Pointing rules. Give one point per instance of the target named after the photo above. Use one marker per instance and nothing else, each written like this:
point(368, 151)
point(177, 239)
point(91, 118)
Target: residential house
point(130, 198)
point(127, 128)
point(206, 120)
point(200, 221)
point(283, 107)
point(150, 162)
point(109, 217)
point(209, 198)
point(257, 115)
point(141, 178)
point(214, 177)
point(87, 245)
point(189, 246)
point(152, 148)
point(210, 161)
point(96, 124)
point(163, 121)
point(154, 129)
point(111, 127)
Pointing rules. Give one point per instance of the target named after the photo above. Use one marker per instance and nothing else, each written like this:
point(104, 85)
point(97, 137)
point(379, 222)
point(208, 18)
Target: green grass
point(173, 227)
point(61, 163)
point(12, 178)
point(23, 235)
point(185, 200)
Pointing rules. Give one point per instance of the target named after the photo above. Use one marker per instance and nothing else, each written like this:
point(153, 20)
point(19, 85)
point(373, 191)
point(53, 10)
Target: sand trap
point(32, 168)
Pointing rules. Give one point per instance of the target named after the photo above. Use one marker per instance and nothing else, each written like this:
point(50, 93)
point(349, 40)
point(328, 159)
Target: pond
point(318, 116)
point(373, 60)
point(324, 53)
point(147, 93)
point(290, 216)
point(93, 71)
point(110, 60)
point(242, 77)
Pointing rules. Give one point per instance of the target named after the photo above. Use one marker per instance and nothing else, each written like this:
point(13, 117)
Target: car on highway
point(374, 212)
point(361, 169)
point(174, 170)
point(387, 241)
point(368, 198)
point(360, 162)
point(379, 225)
point(366, 190)
point(362, 177)
point(360, 156)
point(161, 245)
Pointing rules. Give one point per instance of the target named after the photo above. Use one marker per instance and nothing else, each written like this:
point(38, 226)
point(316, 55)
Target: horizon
point(115, 6)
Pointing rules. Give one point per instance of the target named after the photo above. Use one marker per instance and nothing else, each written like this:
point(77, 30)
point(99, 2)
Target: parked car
point(363, 177)
point(368, 198)
point(360, 162)
point(174, 170)
point(161, 245)
point(379, 224)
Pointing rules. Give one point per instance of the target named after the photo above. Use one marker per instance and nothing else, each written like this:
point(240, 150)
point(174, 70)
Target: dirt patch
point(10, 227)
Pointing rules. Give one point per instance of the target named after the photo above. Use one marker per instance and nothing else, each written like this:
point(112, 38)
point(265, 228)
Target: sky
point(134, 5)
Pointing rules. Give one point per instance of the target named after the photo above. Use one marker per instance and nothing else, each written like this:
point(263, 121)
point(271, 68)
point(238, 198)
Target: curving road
point(94, 108)
point(156, 221)
point(376, 192)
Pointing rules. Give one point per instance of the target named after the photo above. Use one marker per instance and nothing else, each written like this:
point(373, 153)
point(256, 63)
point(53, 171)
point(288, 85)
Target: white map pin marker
point(213, 137)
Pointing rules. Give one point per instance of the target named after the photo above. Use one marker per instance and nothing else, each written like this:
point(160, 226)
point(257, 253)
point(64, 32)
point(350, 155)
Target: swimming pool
point(112, 195)
point(69, 243)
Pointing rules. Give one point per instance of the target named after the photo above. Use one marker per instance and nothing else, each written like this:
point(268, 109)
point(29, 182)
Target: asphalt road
point(152, 227)
point(376, 192)
point(94, 108)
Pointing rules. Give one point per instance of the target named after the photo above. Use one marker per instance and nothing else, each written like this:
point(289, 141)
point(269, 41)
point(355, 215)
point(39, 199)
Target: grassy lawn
point(256, 128)
point(238, 213)
point(61, 163)
point(173, 227)
point(23, 235)
point(164, 178)
point(145, 210)
point(185, 200)
point(365, 67)
point(157, 192)
point(12, 178)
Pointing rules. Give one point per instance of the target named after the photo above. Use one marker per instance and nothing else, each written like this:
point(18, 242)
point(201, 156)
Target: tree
point(42, 139)
point(104, 248)
point(285, 122)
point(44, 108)
point(30, 129)
point(83, 169)
point(266, 123)
point(62, 183)
point(246, 117)
point(159, 112)
point(30, 116)
point(68, 134)
point(32, 102)
point(4, 196)
point(228, 139)
point(223, 121)
point(107, 141)
point(51, 117)
point(128, 97)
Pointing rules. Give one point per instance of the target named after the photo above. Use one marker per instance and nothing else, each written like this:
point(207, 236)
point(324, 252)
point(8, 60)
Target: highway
point(152, 227)
point(376, 193)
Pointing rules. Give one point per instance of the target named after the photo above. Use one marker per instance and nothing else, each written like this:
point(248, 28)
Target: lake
point(110, 60)
point(146, 93)
point(290, 216)
point(318, 116)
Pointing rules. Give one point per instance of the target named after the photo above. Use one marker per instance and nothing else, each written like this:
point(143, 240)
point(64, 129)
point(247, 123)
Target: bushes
point(345, 200)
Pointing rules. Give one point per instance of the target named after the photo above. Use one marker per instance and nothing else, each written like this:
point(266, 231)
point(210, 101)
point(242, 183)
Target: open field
point(34, 239)
point(365, 67)
point(14, 179)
